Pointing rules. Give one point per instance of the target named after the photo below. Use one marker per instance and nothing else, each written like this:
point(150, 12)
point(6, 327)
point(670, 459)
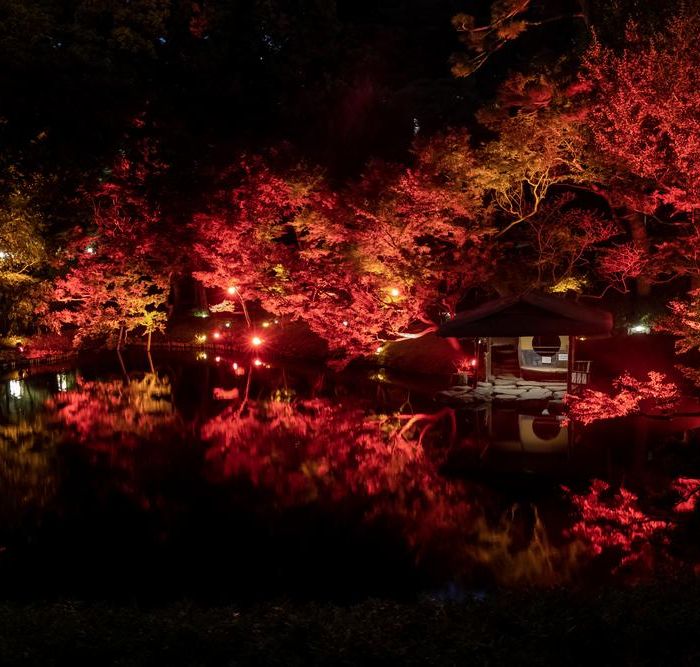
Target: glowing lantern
point(232, 289)
point(379, 350)
point(90, 250)
point(16, 388)
point(217, 335)
point(265, 325)
point(257, 362)
point(639, 329)
point(235, 366)
point(345, 323)
point(394, 292)
point(228, 325)
point(217, 359)
point(256, 341)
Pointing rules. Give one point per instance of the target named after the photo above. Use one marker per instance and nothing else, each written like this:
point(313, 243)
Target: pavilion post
point(570, 364)
point(487, 357)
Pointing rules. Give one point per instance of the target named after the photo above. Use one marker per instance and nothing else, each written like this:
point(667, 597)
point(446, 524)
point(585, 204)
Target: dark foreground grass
point(644, 626)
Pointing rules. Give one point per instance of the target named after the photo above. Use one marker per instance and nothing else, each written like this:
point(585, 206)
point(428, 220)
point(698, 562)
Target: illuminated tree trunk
point(200, 295)
point(640, 238)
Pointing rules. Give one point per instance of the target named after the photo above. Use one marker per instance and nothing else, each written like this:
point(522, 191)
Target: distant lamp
point(265, 325)
point(90, 250)
point(217, 335)
point(256, 341)
point(394, 291)
point(16, 388)
point(379, 350)
point(257, 362)
point(345, 323)
point(232, 289)
point(639, 329)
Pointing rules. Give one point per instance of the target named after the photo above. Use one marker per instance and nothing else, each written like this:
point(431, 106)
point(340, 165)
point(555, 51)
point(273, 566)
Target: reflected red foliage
point(612, 520)
point(313, 451)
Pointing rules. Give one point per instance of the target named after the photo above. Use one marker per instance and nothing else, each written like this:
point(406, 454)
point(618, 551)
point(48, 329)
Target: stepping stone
point(505, 397)
point(485, 384)
point(513, 391)
point(555, 386)
point(535, 394)
point(529, 383)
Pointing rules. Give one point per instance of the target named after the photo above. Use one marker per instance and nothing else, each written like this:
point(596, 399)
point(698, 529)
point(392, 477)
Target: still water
point(237, 479)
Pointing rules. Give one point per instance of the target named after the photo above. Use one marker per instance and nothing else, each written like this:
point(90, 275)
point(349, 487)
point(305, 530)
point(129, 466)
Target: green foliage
point(23, 257)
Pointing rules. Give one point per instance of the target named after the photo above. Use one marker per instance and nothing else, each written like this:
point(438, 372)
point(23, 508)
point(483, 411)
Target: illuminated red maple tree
point(117, 278)
point(630, 396)
point(645, 112)
point(358, 269)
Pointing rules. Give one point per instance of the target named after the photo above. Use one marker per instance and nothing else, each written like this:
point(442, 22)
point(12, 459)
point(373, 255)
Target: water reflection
point(180, 474)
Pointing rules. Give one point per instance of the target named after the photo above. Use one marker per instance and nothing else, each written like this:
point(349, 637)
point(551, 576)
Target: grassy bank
point(644, 626)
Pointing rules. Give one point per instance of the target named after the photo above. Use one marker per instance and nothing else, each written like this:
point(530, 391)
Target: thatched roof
point(529, 314)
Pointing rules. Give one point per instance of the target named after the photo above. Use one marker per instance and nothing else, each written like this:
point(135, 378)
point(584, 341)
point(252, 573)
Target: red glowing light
point(232, 289)
point(257, 362)
point(217, 334)
point(256, 341)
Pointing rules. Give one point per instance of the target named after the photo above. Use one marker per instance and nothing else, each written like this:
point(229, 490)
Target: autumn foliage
point(630, 396)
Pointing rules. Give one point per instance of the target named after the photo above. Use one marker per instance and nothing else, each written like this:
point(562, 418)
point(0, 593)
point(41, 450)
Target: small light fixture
point(16, 388)
point(639, 329)
point(256, 341)
point(232, 289)
point(394, 291)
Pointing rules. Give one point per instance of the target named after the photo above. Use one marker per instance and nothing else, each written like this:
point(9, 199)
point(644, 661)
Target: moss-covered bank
point(643, 626)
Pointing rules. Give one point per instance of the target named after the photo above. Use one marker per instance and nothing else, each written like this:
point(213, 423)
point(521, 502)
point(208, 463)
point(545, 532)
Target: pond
point(224, 478)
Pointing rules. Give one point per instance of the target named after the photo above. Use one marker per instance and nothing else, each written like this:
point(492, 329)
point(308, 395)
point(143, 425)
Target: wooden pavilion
point(531, 336)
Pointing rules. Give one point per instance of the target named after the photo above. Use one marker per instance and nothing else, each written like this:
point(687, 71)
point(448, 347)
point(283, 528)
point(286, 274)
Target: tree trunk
point(640, 238)
point(201, 296)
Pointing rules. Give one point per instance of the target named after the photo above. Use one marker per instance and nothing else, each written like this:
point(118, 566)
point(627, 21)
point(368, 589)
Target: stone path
point(506, 388)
